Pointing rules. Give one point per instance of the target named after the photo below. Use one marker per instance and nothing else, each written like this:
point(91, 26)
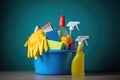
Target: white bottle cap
point(80, 42)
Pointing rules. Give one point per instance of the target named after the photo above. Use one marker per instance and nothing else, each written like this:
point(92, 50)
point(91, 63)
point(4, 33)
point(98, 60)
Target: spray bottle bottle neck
point(71, 28)
point(79, 49)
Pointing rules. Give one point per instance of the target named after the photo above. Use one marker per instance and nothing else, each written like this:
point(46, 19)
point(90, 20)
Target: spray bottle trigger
point(77, 27)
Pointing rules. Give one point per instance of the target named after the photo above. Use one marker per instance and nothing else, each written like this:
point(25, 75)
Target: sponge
point(55, 45)
point(53, 35)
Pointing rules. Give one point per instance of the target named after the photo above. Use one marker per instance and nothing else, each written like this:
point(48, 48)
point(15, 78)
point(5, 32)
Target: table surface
point(30, 75)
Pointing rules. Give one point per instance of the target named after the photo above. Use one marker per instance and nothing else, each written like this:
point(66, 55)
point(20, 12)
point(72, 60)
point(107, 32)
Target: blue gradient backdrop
point(99, 19)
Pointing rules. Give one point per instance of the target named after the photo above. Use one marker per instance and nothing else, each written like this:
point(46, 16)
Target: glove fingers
point(28, 52)
point(41, 47)
point(35, 51)
point(45, 45)
point(31, 51)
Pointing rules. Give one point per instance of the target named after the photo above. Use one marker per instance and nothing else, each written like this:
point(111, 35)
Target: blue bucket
point(54, 62)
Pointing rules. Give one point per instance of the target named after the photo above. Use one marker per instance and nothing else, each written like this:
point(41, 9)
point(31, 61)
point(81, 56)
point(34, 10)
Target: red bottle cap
point(62, 21)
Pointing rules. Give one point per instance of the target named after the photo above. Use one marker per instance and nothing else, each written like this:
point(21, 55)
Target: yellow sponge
point(55, 45)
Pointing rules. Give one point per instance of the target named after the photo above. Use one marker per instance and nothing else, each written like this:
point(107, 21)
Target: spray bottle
point(71, 25)
point(77, 68)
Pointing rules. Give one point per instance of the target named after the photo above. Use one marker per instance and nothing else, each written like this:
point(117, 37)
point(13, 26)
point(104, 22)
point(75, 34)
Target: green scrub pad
point(55, 45)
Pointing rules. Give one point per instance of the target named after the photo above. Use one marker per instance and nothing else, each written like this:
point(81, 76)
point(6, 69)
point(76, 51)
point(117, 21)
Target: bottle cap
point(62, 21)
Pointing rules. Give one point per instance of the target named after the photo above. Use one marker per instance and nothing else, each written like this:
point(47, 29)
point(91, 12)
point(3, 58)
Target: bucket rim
point(57, 51)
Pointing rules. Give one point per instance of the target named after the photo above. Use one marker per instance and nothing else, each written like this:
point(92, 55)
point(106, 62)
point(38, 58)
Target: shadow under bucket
point(54, 62)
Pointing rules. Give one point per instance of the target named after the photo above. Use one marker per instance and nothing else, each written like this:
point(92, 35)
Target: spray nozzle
point(77, 26)
point(81, 40)
point(73, 24)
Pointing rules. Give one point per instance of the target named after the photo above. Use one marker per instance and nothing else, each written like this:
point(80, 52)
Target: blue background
point(99, 19)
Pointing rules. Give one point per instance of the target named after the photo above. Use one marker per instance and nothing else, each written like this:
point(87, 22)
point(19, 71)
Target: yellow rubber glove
point(36, 43)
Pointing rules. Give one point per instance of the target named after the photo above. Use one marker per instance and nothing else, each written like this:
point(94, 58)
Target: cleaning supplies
point(67, 40)
point(62, 31)
point(48, 27)
point(71, 25)
point(36, 43)
point(77, 68)
point(53, 62)
point(55, 45)
point(53, 35)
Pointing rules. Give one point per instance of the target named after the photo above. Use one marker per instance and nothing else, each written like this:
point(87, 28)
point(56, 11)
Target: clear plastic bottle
point(72, 46)
point(62, 31)
point(72, 25)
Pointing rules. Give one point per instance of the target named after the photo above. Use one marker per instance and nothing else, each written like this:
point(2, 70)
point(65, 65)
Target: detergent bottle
point(71, 25)
point(77, 68)
point(62, 31)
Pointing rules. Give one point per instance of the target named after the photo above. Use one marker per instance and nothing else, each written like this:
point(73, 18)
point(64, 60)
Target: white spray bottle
point(71, 25)
point(77, 68)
